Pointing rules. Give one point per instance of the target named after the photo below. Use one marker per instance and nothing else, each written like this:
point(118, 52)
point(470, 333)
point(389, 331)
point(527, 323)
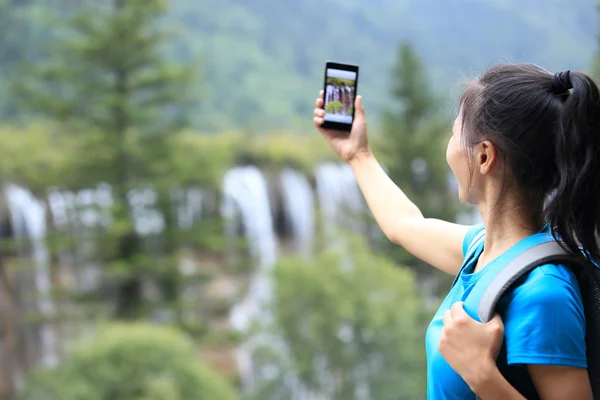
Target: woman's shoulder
point(473, 234)
point(549, 285)
point(544, 319)
point(551, 272)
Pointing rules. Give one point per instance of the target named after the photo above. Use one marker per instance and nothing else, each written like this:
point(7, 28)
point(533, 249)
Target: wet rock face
point(6, 228)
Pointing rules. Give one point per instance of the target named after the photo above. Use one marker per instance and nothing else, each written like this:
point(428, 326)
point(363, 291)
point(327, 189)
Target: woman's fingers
point(319, 103)
point(318, 112)
point(447, 318)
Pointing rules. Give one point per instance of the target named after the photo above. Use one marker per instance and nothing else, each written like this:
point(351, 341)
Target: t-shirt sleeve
point(544, 322)
point(470, 236)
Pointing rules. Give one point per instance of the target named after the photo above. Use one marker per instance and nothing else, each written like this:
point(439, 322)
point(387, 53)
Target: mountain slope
point(263, 59)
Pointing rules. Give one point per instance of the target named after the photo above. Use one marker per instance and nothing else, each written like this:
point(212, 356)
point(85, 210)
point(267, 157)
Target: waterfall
point(81, 213)
point(85, 203)
point(57, 202)
point(339, 196)
point(329, 94)
point(147, 219)
point(298, 202)
point(188, 204)
point(28, 216)
point(246, 197)
point(104, 201)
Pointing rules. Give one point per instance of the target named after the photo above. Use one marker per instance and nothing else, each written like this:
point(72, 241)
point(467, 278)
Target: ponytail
point(574, 211)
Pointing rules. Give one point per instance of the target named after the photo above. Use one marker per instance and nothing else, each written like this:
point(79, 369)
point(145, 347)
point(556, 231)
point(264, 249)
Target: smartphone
point(339, 92)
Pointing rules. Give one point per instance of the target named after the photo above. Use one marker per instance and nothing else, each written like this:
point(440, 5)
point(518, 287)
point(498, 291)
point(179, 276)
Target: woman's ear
point(486, 157)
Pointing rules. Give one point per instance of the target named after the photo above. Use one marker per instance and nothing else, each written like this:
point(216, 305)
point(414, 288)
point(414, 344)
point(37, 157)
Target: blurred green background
point(173, 227)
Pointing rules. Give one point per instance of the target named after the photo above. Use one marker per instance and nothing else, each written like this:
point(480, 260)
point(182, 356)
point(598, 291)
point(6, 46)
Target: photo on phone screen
point(339, 94)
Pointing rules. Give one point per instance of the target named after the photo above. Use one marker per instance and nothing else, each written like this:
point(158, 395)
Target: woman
point(525, 149)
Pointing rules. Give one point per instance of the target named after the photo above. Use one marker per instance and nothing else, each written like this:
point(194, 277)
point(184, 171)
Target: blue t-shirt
point(544, 323)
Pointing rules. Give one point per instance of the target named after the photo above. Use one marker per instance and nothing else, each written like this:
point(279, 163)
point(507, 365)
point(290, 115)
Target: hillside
point(262, 60)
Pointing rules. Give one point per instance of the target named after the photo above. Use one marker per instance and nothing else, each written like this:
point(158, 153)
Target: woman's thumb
point(359, 110)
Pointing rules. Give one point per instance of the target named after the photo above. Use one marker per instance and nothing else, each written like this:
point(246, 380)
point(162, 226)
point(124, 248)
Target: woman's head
point(535, 133)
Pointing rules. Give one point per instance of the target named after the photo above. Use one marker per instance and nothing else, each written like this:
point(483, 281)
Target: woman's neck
point(505, 225)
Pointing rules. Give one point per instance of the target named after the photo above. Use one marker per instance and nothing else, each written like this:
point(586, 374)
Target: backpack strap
point(539, 254)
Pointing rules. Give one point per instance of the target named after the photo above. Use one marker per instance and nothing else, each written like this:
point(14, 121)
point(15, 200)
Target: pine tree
point(413, 142)
point(108, 80)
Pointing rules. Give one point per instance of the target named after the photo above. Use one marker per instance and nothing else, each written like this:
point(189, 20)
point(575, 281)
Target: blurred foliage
point(412, 147)
point(413, 142)
point(264, 59)
point(339, 81)
point(333, 107)
point(130, 362)
point(106, 80)
point(247, 46)
point(203, 159)
point(351, 321)
point(39, 156)
point(55, 156)
point(277, 150)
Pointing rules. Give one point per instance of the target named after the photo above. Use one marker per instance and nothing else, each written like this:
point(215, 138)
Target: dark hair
point(548, 139)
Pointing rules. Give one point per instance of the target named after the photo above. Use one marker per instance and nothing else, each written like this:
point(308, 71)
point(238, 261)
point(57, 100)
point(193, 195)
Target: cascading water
point(28, 217)
point(245, 195)
point(189, 206)
point(339, 196)
point(148, 220)
point(88, 210)
point(245, 204)
point(329, 94)
point(342, 208)
point(81, 213)
point(298, 202)
point(246, 201)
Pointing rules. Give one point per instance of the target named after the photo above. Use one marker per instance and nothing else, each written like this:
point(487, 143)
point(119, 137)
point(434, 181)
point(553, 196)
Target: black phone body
point(339, 92)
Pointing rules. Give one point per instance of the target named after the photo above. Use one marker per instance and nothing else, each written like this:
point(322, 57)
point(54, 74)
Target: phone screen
point(339, 93)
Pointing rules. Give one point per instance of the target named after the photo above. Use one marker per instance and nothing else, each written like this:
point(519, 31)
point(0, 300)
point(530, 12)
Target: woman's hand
point(347, 145)
point(470, 347)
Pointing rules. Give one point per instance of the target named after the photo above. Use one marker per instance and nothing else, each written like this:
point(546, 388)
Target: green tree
point(130, 362)
point(350, 321)
point(412, 145)
point(108, 81)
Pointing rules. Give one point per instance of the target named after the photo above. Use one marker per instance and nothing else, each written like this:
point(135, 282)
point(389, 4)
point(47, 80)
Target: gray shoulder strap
point(540, 254)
